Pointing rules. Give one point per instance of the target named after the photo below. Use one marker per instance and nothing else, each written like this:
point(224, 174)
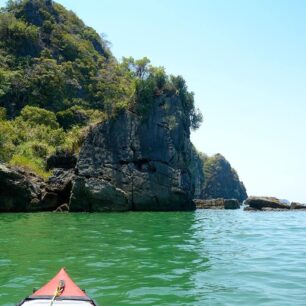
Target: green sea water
point(178, 258)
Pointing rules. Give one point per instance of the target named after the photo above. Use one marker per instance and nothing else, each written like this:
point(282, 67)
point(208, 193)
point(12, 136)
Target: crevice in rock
point(163, 125)
point(132, 193)
point(64, 195)
point(142, 165)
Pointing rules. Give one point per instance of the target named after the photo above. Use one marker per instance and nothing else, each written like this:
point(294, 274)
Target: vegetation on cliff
point(57, 76)
point(32, 136)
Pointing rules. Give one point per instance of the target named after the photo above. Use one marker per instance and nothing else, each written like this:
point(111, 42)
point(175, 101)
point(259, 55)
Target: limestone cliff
point(58, 72)
point(136, 163)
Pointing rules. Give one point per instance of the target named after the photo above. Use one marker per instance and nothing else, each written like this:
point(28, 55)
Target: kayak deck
point(56, 303)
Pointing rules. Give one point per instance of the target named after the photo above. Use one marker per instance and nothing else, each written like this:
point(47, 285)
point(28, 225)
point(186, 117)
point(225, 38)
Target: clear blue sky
point(246, 63)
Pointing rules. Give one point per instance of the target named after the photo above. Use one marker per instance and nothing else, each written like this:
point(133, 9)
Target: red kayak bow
point(70, 288)
point(59, 289)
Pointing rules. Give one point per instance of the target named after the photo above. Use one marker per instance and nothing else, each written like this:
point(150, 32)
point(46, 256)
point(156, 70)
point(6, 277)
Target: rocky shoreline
point(23, 191)
point(125, 163)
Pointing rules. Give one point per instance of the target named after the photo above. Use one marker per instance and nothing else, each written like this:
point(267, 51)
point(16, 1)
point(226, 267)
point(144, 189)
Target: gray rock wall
point(136, 162)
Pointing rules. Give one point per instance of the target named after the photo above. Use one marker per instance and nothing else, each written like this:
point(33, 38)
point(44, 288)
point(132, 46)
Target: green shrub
point(73, 116)
point(38, 116)
point(35, 150)
point(18, 37)
point(74, 139)
point(2, 113)
point(7, 140)
point(30, 165)
point(153, 81)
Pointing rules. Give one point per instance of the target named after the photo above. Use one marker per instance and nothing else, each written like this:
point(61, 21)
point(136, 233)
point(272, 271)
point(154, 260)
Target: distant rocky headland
point(82, 131)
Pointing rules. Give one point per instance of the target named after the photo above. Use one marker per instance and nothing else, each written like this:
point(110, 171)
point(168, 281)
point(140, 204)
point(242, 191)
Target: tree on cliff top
point(152, 82)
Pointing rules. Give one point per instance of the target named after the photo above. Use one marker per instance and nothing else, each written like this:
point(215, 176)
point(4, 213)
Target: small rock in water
point(295, 205)
point(265, 203)
point(217, 204)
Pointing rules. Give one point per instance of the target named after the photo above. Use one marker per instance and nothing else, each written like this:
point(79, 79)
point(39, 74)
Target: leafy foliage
point(58, 76)
point(50, 59)
point(152, 82)
point(17, 36)
point(76, 116)
point(37, 116)
point(31, 137)
point(29, 164)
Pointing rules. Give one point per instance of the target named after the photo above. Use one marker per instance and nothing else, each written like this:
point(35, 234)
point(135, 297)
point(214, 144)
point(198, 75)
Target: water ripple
point(193, 258)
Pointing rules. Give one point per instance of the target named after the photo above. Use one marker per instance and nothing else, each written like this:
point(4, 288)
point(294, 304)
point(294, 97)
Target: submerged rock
point(132, 163)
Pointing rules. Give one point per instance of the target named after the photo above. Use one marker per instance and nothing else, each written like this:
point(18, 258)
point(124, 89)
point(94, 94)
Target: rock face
point(221, 180)
point(196, 169)
point(136, 163)
point(217, 204)
point(18, 190)
point(61, 184)
point(22, 191)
